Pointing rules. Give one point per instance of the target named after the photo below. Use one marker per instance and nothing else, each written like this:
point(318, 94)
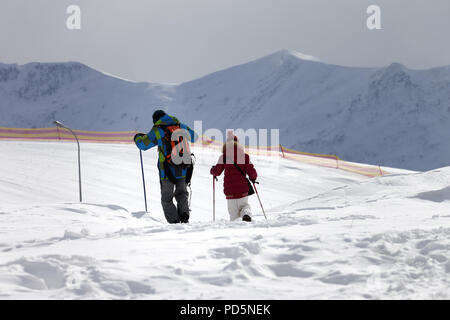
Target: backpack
point(251, 191)
point(172, 148)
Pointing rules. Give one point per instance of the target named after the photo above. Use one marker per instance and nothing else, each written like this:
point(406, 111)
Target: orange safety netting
point(56, 133)
point(332, 161)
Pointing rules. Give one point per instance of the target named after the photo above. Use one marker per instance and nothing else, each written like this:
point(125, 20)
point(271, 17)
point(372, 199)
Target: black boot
point(246, 218)
point(184, 218)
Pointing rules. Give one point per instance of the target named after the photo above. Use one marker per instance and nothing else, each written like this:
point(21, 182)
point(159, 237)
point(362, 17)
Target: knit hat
point(158, 114)
point(231, 136)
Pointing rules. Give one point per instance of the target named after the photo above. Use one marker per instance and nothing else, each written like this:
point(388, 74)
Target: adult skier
point(237, 165)
point(172, 137)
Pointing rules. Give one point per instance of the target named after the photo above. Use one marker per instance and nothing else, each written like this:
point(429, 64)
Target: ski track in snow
point(330, 235)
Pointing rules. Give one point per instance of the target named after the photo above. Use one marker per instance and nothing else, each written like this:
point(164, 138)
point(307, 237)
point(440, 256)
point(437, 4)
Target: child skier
point(237, 165)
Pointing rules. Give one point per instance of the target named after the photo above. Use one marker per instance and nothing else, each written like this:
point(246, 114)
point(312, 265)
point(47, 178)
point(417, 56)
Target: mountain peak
point(286, 53)
point(395, 66)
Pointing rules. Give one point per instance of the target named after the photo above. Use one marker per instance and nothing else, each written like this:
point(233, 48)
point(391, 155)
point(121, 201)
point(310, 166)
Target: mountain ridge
point(392, 115)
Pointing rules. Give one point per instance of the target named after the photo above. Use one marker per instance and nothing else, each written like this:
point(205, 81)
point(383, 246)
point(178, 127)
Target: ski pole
point(256, 190)
point(214, 198)
point(143, 180)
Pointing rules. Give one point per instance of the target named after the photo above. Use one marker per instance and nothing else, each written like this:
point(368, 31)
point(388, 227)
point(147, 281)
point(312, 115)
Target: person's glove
point(138, 135)
point(212, 173)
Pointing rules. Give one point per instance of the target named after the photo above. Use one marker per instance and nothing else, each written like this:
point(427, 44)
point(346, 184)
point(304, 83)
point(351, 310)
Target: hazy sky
point(179, 40)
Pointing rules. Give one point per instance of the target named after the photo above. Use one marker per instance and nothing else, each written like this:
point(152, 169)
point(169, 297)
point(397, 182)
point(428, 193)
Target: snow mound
point(436, 195)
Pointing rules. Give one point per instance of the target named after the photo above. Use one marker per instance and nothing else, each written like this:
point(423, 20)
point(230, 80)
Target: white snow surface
point(329, 234)
point(393, 116)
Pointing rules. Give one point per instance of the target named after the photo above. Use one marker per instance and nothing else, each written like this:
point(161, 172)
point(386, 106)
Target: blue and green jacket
point(154, 138)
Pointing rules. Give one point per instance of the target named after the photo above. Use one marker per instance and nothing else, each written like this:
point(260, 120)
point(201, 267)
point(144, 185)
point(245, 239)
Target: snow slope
point(330, 234)
point(391, 116)
point(35, 94)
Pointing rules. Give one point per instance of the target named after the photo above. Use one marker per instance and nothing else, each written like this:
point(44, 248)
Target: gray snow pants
point(179, 213)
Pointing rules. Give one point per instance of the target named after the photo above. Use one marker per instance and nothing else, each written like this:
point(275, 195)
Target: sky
point(174, 41)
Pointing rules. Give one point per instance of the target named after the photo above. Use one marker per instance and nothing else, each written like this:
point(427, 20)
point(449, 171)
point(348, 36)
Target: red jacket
point(235, 184)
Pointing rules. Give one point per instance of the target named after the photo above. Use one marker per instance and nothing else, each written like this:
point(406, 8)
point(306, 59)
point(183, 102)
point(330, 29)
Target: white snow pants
point(237, 208)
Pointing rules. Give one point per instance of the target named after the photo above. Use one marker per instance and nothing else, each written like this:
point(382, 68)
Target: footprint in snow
point(289, 270)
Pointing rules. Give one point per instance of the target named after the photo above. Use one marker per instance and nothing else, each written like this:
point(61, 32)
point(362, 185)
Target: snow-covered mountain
point(35, 94)
point(392, 116)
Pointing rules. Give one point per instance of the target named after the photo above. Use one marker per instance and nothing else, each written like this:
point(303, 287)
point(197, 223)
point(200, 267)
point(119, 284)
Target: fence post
point(381, 172)
point(281, 148)
point(337, 161)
